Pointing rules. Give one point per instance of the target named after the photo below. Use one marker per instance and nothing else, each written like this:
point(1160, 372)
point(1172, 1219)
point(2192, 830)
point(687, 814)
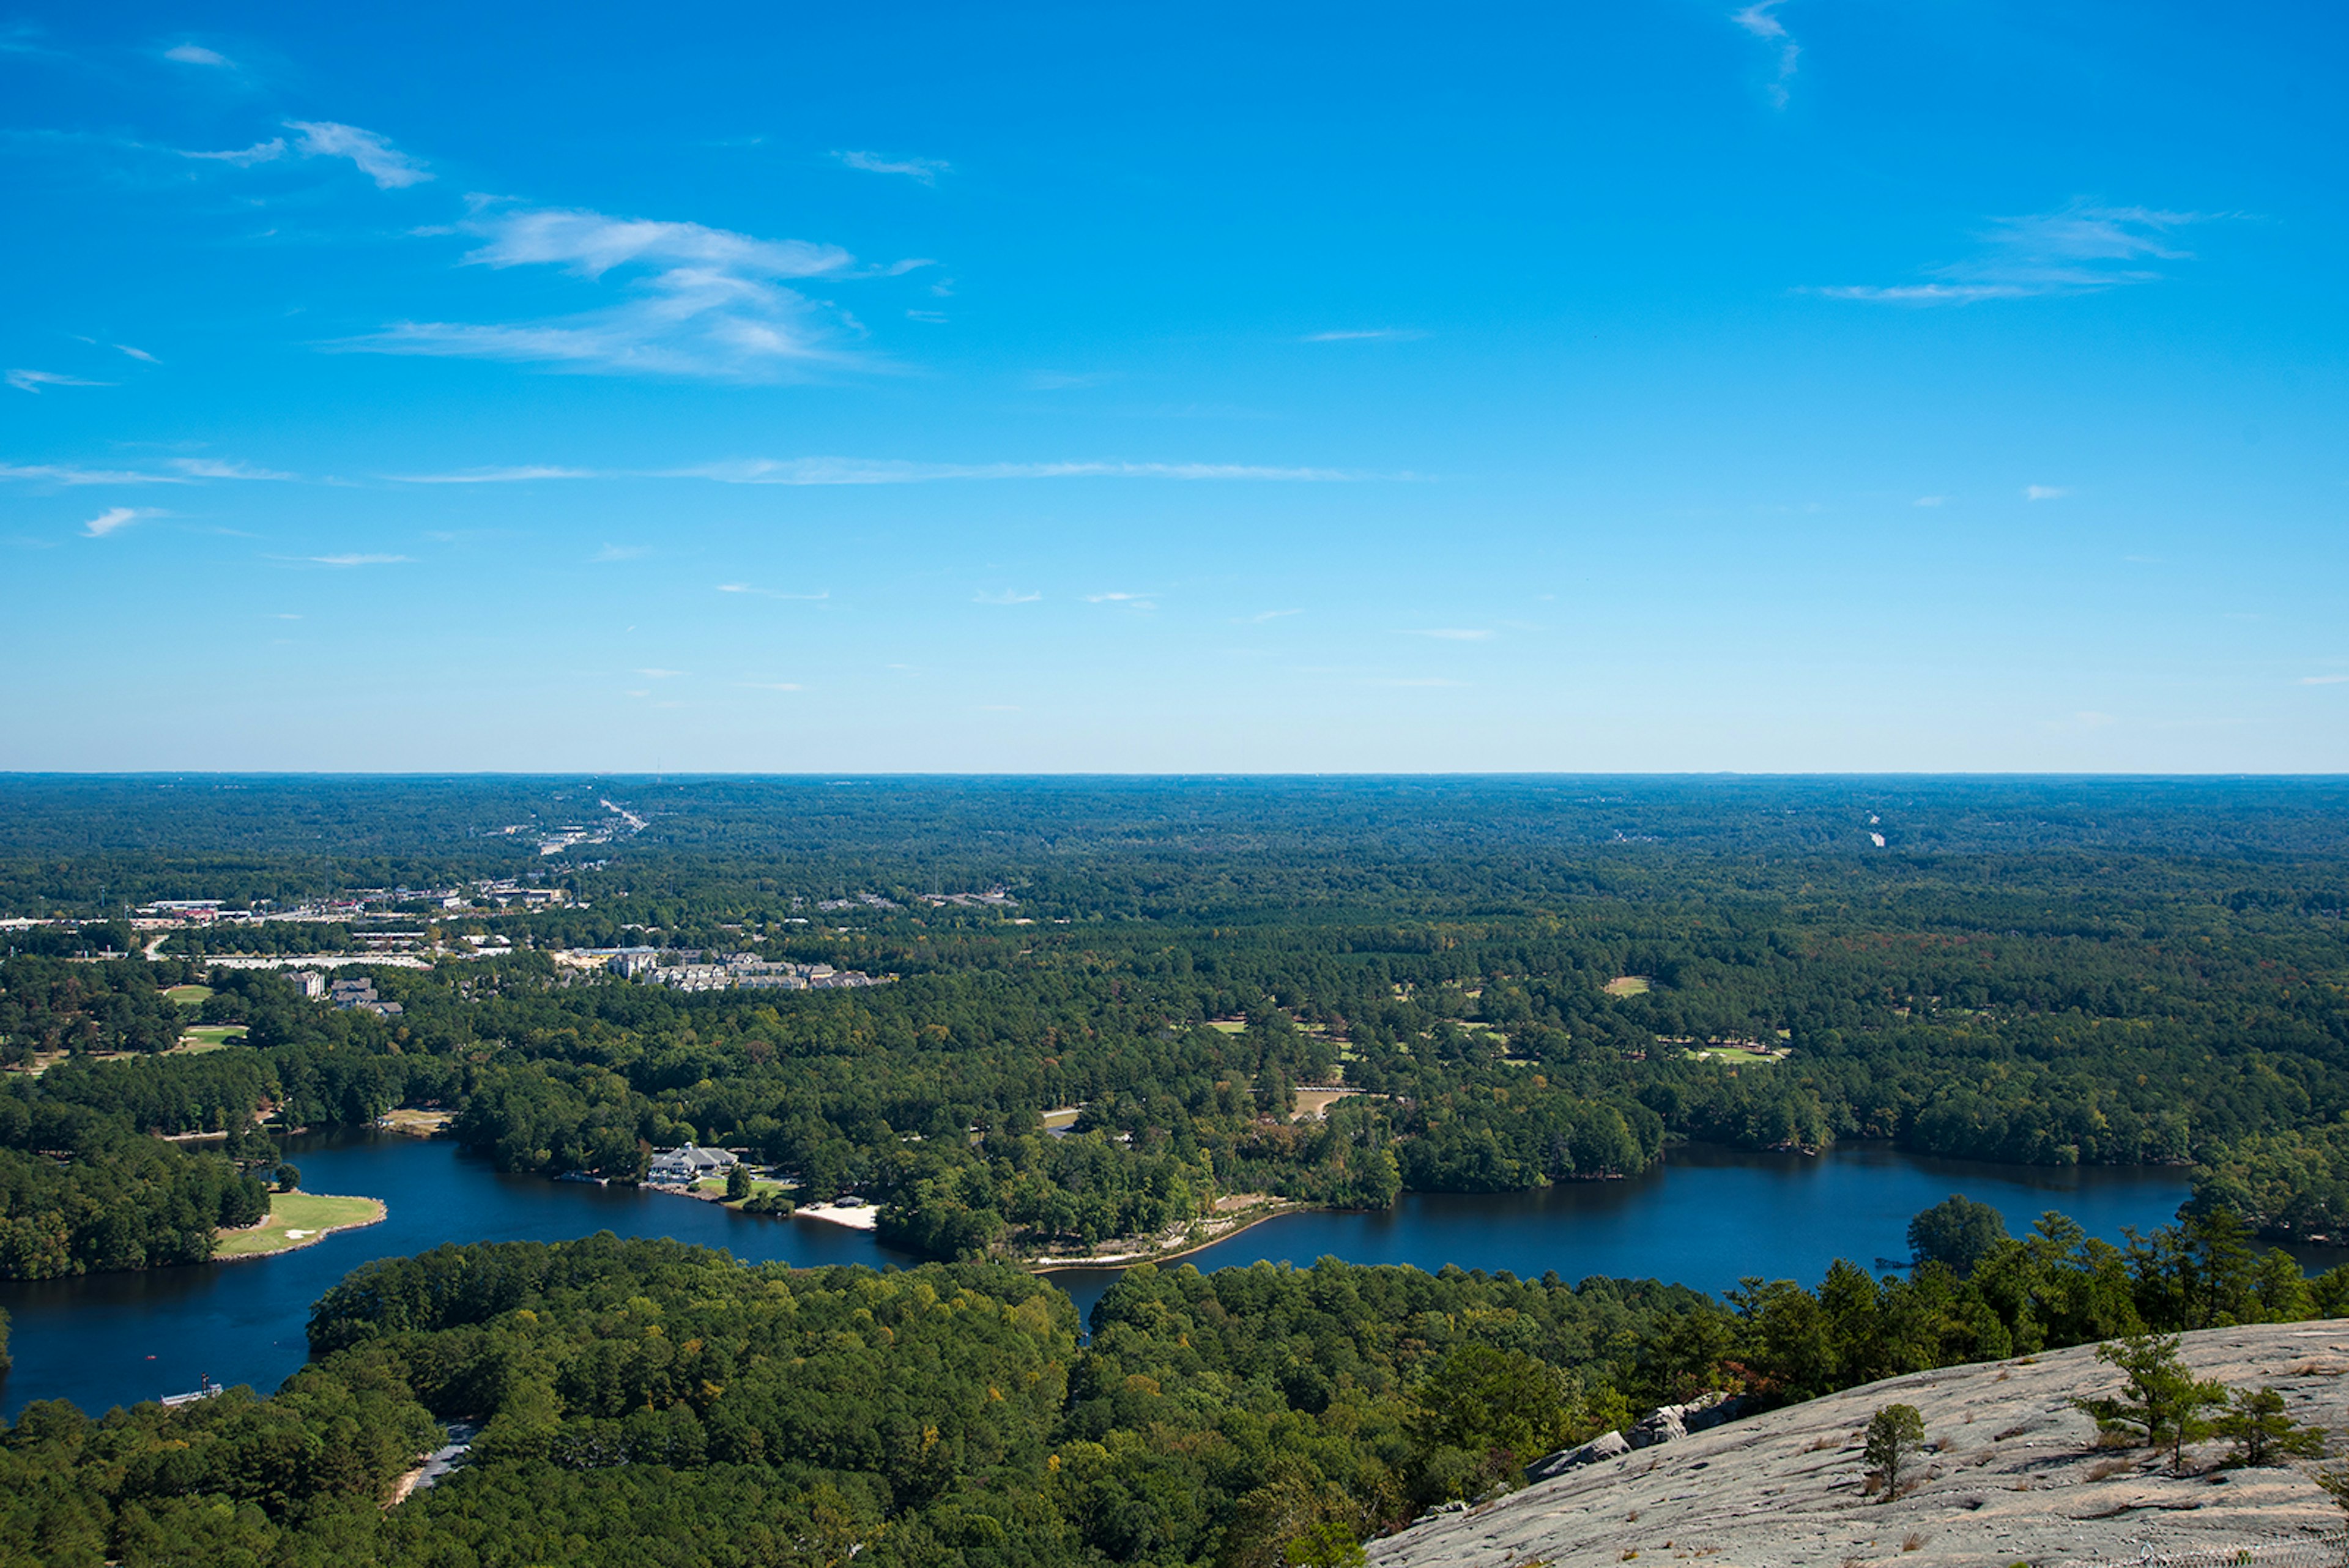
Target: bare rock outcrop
point(2015, 1476)
point(1665, 1424)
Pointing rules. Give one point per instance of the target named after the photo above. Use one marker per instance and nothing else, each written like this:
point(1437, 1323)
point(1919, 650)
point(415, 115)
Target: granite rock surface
point(2015, 1475)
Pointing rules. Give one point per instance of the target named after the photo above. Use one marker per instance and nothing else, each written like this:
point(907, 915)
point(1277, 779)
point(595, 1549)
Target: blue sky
point(1805, 386)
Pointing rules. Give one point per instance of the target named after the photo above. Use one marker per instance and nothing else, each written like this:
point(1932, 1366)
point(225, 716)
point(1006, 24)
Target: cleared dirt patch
point(1627, 985)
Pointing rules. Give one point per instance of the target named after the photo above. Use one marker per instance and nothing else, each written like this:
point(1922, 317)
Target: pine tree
point(1894, 1435)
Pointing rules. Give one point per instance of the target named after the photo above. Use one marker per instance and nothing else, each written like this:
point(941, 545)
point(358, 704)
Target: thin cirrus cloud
point(141, 355)
point(189, 471)
point(1365, 335)
point(925, 170)
point(1008, 597)
point(2045, 492)
point(2323, 680)
point(2082, 247)
point(195, 54)
point(807, 471)
point(697, 301)
point(115, 518)
point(771, 593)
point(770, 686)
point(1455, 633)
point(1931, 501)
point(374, 155)
point(1787, 54)
point(268, 151)
point(517, 475)
point(34, 381)
point(215, 468)
point(353, 559)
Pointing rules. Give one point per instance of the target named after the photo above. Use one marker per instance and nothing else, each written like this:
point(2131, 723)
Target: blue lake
point(1705, 1218)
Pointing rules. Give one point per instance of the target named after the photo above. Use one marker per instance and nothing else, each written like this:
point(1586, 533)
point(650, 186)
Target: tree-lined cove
point(1705, 1218)
point(1713, 1043)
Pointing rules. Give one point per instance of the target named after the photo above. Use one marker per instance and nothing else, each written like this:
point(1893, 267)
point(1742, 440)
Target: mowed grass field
point(297, 1220)
point(210, 1036)
point(189, 995)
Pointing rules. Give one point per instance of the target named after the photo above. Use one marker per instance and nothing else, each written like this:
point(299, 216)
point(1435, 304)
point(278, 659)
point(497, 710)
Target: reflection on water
point(1705, 1218)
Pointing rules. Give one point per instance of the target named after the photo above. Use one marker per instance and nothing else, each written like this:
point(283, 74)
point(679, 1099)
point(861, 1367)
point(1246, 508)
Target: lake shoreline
point(1046, 1267)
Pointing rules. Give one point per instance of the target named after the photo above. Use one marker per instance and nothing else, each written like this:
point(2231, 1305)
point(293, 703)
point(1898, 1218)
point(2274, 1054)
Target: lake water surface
point(1705, 1218)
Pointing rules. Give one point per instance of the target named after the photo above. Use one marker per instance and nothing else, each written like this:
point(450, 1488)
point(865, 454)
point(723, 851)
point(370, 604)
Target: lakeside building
point(687, 1164)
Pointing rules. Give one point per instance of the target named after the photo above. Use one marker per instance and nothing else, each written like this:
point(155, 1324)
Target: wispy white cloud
point(1931, 501)
point(1760, 19)
point(663, 674)
point(267, 152)
point(1455, 633)
point(24, 38)
point(375, 156)
point(190, 470)
point(1008, 597)
point(1364, 335)
point(1119, 598)
point(353, 559)
point(115, 517)
point(807, 471)
point(1263, 616)
point(215, 468)
point(515, 475)
point(141, 355)
point(1062, 380)
point(2045, 492)
point(769, 593)
point(34, 381)
point(925, 170)
point(2323, 680)
point(1420, 681)
point(771, 685)
point(69, 475)
point(862, 471)
point(621, 553)
point(2079, 248)
point(701, 301)
point(195, 54)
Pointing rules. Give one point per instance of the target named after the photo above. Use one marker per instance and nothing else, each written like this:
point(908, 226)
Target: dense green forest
point(1521, 980)
point(656, 1401)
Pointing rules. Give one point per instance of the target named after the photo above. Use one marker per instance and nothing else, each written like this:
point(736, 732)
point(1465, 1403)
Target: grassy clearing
point(211, 1037)
point(761, 1186)
point(1627, 985)
point(1228, 1026)
point(1730, 1054)
point(189, 995)
point(297, 1220)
